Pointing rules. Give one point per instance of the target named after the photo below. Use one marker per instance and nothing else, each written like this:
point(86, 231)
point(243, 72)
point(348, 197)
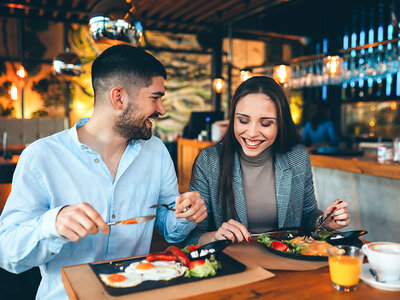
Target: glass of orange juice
point(345, 266)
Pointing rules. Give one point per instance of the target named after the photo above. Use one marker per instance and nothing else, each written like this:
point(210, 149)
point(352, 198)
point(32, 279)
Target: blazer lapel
point(283, 182)
point(237, 185)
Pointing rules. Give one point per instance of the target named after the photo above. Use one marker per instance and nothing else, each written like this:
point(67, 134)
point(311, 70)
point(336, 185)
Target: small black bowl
point(346, 237)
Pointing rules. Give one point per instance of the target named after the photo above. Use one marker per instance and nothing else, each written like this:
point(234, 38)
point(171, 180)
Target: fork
point(168, 207)
point(323, 221)
point(163, 205)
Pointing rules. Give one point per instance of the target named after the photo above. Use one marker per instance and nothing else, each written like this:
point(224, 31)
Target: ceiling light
point(111, 20)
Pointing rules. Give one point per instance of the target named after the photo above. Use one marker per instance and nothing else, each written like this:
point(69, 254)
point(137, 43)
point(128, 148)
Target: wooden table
point(299, 285)
point(285, 285)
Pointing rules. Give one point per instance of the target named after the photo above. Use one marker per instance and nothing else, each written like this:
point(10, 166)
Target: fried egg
point(157, 270)
point(121, 279)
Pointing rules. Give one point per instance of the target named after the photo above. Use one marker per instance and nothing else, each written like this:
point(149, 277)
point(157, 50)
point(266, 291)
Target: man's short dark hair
point(126, 65)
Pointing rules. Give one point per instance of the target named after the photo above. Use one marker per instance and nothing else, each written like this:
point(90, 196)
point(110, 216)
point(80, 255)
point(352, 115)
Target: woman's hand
point(340, 217)
point(234, 231)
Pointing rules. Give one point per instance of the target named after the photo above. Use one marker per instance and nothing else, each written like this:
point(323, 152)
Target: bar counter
point(371, 188)
point(366, 164)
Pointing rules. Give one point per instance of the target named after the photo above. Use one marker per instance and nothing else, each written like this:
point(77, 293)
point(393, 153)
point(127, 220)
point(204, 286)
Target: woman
point(258, 177)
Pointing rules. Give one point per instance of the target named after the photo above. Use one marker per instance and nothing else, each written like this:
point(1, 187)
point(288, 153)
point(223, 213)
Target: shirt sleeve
point(28, 235)
point(174, 230)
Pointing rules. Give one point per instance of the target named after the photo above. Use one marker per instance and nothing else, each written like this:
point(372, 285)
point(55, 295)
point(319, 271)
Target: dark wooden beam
point(21, 5)
point(212, 12)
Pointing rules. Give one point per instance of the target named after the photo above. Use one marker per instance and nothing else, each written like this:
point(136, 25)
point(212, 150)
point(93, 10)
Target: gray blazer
point(295, 197)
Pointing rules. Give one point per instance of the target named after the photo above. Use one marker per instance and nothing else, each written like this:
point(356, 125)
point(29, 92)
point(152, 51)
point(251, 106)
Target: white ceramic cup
point(384, 258)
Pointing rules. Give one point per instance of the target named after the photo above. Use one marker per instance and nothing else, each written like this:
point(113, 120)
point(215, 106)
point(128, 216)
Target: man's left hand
point(196, 210)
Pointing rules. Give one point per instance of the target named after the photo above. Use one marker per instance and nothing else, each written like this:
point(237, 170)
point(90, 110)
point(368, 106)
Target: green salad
point(285, 245)
point(203, 268)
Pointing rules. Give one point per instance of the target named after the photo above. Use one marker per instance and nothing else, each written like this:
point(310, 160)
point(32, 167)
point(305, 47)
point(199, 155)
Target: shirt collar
point(73, 132)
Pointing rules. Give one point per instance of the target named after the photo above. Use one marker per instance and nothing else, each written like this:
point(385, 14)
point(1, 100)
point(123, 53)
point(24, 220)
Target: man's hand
point(196, 209)
point(76, 221)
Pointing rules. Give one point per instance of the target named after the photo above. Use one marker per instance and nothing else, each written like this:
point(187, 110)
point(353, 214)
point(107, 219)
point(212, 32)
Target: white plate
point(368, 279)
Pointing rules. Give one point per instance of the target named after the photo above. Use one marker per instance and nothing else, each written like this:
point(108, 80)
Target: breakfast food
point(157, 270)
point(311, 246)
point(121, 279)
point(203, 268)
point(303, 245)
point(140, 271)
point(172, 263)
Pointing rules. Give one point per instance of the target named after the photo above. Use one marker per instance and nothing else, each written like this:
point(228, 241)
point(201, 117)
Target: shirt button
point(96, 160)
point(113, 216)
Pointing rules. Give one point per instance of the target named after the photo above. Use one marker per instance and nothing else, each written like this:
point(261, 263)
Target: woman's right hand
point(234, 231)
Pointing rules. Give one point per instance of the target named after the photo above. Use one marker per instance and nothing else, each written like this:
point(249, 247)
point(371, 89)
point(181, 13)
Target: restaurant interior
point(342, 55)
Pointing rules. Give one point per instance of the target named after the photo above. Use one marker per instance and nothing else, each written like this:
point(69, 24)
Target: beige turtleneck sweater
point(259, 191)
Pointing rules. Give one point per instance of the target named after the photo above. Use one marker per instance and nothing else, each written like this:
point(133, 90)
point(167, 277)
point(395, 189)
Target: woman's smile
point(252, 144)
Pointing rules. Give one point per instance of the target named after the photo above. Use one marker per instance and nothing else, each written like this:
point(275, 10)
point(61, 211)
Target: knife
point(133, 220)
point(278, 233)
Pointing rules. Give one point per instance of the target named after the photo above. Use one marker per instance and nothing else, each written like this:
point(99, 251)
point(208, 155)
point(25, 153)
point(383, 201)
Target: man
point(108, 168)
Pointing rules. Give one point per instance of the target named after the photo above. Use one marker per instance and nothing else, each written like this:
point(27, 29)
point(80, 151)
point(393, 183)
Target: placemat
point(80, 282)
point(255, 253)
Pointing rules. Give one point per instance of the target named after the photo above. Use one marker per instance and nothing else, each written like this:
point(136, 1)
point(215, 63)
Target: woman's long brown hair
point(286, 138)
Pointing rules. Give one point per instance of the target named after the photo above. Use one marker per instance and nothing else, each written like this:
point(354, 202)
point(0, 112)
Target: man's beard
point(131, 126)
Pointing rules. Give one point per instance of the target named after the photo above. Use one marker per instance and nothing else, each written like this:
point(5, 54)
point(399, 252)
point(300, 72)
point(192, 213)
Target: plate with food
point(295, 243)
point(158, 270)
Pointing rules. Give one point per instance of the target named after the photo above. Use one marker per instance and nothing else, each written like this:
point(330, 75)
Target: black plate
point(282, 234)
point(228, 266)
point(346, 238)
point(215, 247)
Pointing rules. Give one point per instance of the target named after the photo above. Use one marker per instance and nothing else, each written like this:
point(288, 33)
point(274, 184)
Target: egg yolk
point(144, 266)
point(116, 278)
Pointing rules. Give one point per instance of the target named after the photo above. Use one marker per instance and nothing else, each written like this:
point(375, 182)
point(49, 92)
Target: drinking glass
point(345, 266)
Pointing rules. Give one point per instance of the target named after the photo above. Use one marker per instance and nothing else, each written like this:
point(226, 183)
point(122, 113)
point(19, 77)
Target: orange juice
point(345, 270)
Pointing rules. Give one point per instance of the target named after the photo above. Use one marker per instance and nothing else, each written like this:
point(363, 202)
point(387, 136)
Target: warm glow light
point(309, 79)
point(373, 108)
point(372, 123)
point(333, 66)
point(21, 73)
point(218, 85)
point(393, 106)
point(13, 92)
point(244, 75)
point(282, 73)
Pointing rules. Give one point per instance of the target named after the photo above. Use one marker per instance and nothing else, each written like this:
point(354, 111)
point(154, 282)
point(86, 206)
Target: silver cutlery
point(133, 220)
point(163, 205)
point(314, 235)
point(167, 207)
point(373, 273)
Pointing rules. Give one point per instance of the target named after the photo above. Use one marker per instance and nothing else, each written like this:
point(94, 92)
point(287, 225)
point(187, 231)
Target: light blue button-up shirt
point(58, 171)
